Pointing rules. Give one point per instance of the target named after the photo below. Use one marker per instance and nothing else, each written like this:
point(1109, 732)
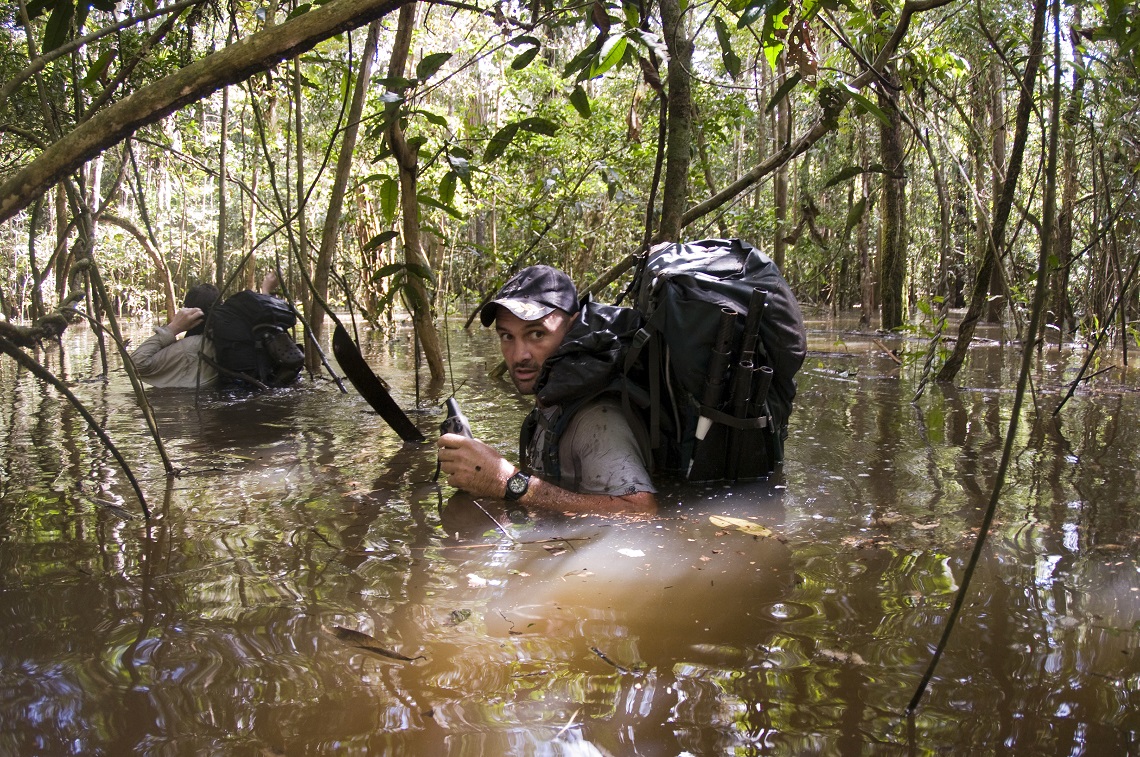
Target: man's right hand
point(185, 319)
point(473, 466)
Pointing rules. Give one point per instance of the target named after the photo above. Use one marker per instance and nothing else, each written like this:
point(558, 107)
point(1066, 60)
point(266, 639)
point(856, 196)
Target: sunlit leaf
point(745, 526)
point(608, 57)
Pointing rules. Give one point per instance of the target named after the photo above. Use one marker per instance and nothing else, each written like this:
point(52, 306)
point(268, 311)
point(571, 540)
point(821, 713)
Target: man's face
point(527, 344)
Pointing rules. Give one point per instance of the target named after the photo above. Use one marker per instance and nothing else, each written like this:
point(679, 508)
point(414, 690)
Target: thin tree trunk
point(1004, 202)
point(220, 247)
point(675, 192)
point(780, 179)
point(892, 210)
point(330, 232)
point(407, 159)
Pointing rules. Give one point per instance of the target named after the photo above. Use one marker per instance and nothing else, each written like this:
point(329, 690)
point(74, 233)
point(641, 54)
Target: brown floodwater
point(303, 587)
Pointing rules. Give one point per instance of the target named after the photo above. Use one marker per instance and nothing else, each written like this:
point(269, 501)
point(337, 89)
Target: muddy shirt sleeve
point(599, 453)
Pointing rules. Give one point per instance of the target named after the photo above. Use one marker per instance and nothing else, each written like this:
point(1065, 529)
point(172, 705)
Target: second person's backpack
point(249, 332)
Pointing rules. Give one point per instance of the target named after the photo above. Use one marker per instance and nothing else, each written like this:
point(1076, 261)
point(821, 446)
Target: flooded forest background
point(941, 182)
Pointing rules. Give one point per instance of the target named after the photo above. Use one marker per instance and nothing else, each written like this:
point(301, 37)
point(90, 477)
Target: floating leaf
point(631, 552)
point(744, 526)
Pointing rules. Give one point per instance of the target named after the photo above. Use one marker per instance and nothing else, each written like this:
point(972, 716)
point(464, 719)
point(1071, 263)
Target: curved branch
point(190, 84)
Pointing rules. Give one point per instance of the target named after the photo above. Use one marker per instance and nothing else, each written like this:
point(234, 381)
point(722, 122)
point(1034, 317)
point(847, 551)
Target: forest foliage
point(868, 147)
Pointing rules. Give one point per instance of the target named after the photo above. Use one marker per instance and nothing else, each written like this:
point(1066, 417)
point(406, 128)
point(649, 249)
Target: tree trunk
point(1004, 202)
point(330, 232)
point(1059, 291)
point(407, 159)
point(675, 192)
point(780, 179)
point(995, 306)
point(220, 247)
point(892, 233)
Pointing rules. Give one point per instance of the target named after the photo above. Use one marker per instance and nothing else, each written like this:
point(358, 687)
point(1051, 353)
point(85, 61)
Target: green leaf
point(867, 105)
point(782, 91)
point(429, 65)
point(498, 144)
point(855, 215)
point(608, 57)
point(58, 25)
point(380, 239)
point(845, 173)
point(423, 273)
point(391, 269)
point(431, 202)
point(447, 188)
point(730, 58)
point(524, 58)
point(755, 10)
point(580, 61)
point(581, 101)
point(389, 199)
point(537, 125)
point(525, 39)
point(300, 10)
point(98, 67)
point(432, 118)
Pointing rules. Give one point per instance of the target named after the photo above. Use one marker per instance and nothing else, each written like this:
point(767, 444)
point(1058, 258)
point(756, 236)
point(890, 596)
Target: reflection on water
point(802, 626)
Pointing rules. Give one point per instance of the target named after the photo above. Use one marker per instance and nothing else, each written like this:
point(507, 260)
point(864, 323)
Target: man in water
point(164, 360)
point(602, 466)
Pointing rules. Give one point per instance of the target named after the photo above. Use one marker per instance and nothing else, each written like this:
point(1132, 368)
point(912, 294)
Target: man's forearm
point(552, 497)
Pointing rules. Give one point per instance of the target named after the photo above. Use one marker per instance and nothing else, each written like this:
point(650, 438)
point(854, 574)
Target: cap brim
point(526, 310)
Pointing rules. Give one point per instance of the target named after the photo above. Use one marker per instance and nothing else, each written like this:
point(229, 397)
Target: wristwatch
point(517, 486)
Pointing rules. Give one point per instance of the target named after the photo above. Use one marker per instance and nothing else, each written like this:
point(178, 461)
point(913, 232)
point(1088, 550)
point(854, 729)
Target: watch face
point(517, 484)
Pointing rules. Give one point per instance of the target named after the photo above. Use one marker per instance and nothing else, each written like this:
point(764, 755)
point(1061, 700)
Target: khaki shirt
point(165, 361)
point(598, 452)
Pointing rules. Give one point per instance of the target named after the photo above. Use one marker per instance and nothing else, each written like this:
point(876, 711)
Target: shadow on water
point(305, 587)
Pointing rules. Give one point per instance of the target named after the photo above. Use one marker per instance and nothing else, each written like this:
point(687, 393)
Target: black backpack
point(722, 341)
point(250, 339)
point(716, 334)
